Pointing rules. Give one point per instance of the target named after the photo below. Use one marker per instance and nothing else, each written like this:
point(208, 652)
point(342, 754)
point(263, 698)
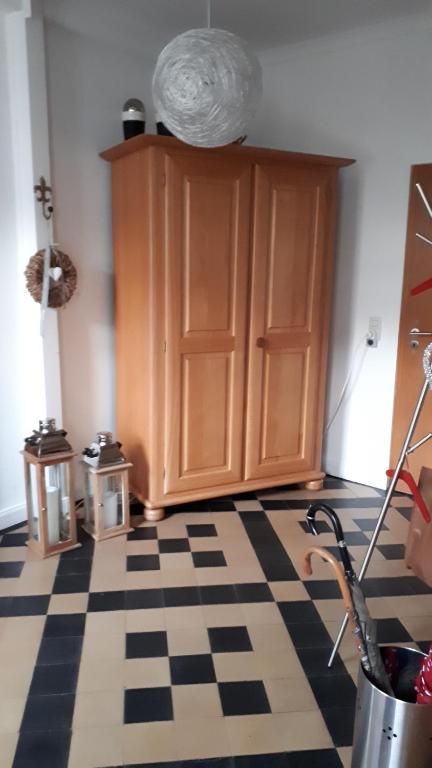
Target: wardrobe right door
point(292, 241)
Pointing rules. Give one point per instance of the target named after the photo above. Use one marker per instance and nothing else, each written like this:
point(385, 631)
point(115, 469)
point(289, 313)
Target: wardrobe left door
point(207, 222)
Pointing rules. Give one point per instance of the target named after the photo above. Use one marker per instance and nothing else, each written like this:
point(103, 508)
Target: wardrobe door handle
point(260, 342)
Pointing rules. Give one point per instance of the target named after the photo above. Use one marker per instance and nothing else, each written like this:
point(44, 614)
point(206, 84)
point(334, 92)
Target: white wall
point(11, 491)
point(88, 83)
point(28, 364)
point(364, 95)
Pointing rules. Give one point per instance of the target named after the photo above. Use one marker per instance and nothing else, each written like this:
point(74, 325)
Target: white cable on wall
point(348, 379)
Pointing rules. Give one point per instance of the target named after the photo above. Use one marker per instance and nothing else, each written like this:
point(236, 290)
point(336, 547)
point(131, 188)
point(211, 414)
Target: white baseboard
point(12, 516)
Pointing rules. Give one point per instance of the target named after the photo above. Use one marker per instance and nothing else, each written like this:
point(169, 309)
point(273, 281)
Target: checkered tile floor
point(196, 641)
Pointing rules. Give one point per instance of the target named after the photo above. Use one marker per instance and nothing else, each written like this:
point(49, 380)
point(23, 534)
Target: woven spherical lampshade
point(206, 87)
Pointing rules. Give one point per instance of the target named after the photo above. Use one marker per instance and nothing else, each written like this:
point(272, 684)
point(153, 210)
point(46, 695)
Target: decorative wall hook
point(44, 195)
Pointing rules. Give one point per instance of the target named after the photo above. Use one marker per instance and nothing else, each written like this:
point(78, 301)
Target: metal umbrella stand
point(392, 731)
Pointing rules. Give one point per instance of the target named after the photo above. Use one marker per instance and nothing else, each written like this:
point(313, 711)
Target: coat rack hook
point(44, 195)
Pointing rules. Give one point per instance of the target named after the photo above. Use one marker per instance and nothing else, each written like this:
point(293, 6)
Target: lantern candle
point(53, 510)
point(110, 508)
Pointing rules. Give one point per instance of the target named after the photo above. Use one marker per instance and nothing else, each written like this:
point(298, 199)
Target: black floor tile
point(144, 705)
point(424, 645)
point(388, 586)
point(310, 635)
point(258, 592)
point(139, 534)
point(142, 563)
point(181, 596)
point(271, 555)
point(229, 639)
point(107, 601)
point(14, 540)
point(405, 512)
point(244, 698)
point(392, 551)
point(213, 559)
point(322, 590)
point(298, 611)
point(74, 566)
point(221, 505)
point(275, 503)
point(218, 594)
point(33, 605)
point(335, 482)
point(245, 496)
point(65, 625)
point(84, 552)
point(146, 645)
point(11, 570)
point(320, 758)
point(335, 551)
point(64, 585)
point(392, 631)
point(188, 670)
point(6, 607)
point(340, 723)
point(48, 713)
point(143, 598)
point(356, 539)
point(417, 586)
point(275, 760)
point(348, 503)
point(59, 650)
point(315, 662)
point(317, 758)
point(167, 546)
point(321, 525)
point(368, 524)
point(54, 678)
point(201, 530)
point(42, 750)
point(338, 690)
point(216, 762)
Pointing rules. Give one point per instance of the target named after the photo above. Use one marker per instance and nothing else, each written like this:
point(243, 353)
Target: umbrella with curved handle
point(346, 597)
point(366, 627)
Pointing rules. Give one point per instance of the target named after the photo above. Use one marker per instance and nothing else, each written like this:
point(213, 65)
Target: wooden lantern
point(106, 489)
point(49, 487)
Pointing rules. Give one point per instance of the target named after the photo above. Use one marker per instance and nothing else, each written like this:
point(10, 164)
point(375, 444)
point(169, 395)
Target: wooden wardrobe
point(223, 272)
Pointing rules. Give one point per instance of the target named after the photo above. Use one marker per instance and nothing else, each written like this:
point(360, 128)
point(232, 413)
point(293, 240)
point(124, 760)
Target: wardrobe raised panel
point(207, 205)
point(291, 224)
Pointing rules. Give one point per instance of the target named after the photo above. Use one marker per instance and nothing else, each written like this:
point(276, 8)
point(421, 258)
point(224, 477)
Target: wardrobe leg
point(314, 485)
point(154, 515)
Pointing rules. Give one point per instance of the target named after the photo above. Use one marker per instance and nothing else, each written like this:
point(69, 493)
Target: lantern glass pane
point(57, 503)
point(33, 501)
point(112, 500)
point(88, 497)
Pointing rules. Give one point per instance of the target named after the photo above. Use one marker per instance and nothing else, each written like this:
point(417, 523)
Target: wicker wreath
point(62, 278)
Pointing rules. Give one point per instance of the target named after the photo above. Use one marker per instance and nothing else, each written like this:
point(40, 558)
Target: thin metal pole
point(208, 14)
point(384, 509)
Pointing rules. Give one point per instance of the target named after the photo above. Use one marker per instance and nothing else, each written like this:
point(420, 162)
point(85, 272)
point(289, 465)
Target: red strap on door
point(407, 478)
point(421, 287)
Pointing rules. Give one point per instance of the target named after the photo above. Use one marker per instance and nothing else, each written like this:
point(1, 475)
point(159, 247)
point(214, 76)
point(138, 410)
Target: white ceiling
point(149, 24)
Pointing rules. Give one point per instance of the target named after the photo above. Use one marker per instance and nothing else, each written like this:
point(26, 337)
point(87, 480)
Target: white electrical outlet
point(374, 331)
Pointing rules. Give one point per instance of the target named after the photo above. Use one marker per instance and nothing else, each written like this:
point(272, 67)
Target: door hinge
point(164, 346)
point(164, 179)
point(163, 473)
